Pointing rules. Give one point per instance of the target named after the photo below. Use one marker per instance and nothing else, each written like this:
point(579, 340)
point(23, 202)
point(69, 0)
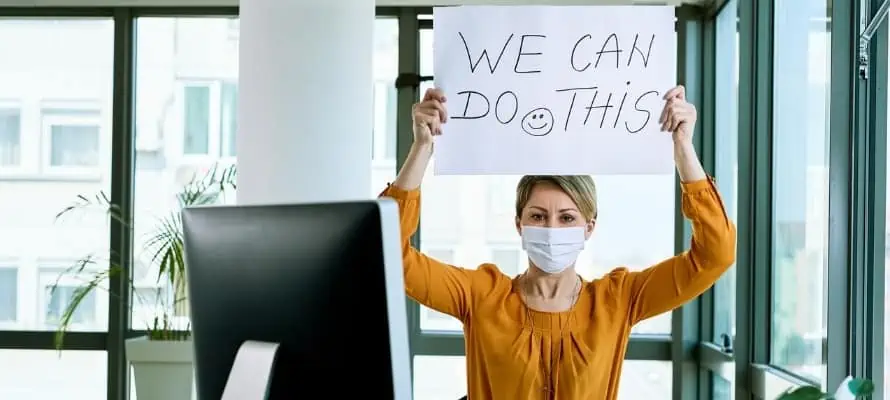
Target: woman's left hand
point(678, 116)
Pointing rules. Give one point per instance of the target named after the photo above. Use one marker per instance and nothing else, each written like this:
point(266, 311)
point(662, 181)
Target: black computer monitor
point(324, 281)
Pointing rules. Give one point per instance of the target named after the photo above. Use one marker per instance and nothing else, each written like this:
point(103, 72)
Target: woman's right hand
point(429, 115)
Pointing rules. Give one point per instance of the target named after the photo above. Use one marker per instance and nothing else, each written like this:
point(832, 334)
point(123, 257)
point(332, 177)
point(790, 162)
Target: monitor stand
point(251, 372)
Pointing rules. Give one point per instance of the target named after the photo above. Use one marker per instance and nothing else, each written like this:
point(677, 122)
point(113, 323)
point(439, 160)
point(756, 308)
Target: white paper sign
point(554, 89)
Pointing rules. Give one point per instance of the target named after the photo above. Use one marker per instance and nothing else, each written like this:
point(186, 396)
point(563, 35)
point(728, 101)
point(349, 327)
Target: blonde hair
point(580, 188)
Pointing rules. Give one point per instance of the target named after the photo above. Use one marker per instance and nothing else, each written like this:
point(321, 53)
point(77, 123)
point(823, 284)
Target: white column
point(305, 100)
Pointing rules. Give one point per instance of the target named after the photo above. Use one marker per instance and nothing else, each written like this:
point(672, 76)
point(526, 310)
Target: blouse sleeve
point(679, 279)
point(437, 285)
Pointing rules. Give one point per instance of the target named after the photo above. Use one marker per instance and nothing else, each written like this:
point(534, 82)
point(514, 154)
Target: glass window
point(726, 127)
point(721, 389)
point(229, 116)
point(631, 229)
point(507, 259)
point(10, 136)
point(186, 135)
point(185, 144)
point(196, 119)
point(800, 186)
point(61, 289)
point(57, 301)
point(386, 69)
point(9, 288)
point(445, 378)
point(72, 136)
point(61, 111)
point(384, 140)
point(49, 374)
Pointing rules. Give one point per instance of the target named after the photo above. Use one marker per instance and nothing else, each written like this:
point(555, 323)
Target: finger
point(678, 92)
point(679, 119)
point(434, 94)
point(664, 111)
point(438, 106)
point(431, 114)
point(667, 114)
point(428, 95)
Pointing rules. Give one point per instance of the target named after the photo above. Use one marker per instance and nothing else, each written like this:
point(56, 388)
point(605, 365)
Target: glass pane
point(386, 69)
point(74, 146)
point(172, 160)
point(800, 186)
point(721, 389)
point(474, 216)
point(726, 93)
point(54, 116)
point(650, 380)
point(10, 135)
point(229, 117)
point(9, 289)
point(444, 378)
point(48, 374)
point(196, 118)
point(184, 143)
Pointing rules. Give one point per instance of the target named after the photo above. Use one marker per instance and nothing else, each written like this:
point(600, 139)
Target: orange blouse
point(505, 342)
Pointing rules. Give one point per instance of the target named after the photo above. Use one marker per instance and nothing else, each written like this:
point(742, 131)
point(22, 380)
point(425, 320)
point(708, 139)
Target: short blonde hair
point(580, 188)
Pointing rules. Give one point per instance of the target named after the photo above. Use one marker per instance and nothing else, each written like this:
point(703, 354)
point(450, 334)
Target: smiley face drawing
point(538, 122)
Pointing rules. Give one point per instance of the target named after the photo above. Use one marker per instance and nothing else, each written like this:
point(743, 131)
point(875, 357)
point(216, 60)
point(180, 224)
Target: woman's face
point(550, 207)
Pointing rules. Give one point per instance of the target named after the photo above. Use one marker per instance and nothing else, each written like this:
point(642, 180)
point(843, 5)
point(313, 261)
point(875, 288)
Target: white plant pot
point(162, 370)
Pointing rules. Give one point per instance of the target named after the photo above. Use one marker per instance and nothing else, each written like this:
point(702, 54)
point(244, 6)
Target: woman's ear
point(589, 228)
point(518, 226)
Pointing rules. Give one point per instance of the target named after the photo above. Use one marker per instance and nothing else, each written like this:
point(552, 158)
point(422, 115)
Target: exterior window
point(58, 293)
point(209, 118)
point(229, 116)
point(9, 286)
point(196, 119)
point(71, 137)
point(10, 137)
point(384, 138)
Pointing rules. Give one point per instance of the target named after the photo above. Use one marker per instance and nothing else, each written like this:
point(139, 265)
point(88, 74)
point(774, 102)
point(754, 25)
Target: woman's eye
point(568, 218)
point(537, 217)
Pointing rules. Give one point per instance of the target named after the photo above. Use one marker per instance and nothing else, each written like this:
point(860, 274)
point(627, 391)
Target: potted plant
point(851, 388)
point(162, 359)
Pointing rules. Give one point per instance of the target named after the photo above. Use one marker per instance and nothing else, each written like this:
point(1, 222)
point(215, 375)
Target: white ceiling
point(152, 3)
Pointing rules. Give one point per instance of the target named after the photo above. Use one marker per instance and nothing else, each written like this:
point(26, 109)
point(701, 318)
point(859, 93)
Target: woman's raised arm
point(681, 278)
point(442, 287)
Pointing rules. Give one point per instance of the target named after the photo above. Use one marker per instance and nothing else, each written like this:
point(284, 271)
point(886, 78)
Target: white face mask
point(553, 250)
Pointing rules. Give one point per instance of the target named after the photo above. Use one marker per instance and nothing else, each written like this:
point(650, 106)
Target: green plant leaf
point(804, 393)
point(164, 243)
point(861, 387)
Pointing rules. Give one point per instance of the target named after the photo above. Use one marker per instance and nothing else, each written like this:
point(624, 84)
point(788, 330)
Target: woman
point(548, 333)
